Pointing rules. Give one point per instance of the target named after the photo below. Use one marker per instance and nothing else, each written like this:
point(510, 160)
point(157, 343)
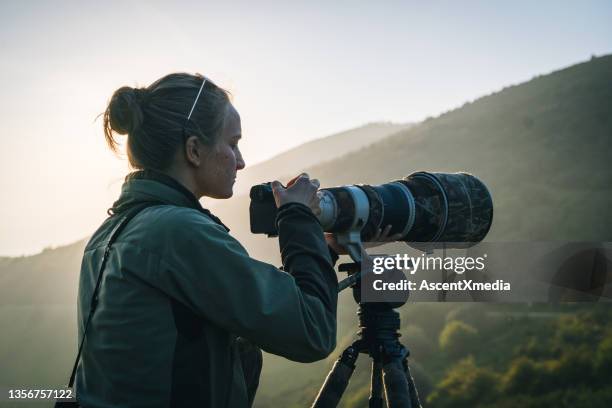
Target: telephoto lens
point(454, 208)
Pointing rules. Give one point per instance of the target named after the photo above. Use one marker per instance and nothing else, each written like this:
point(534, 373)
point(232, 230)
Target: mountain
point(542, 147)
point(27, 280)
point(324, 149)
point(38, 318)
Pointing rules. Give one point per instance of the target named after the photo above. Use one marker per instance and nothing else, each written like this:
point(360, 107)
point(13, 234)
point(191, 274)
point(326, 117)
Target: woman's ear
point(194, 151)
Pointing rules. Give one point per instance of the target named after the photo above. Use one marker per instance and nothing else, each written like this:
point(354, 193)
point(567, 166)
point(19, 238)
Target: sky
point(298, 70)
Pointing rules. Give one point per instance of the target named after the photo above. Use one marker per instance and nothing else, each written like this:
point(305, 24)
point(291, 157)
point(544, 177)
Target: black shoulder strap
point(125, 218)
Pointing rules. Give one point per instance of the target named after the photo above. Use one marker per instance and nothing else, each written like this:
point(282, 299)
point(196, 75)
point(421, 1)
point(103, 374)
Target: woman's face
point(217, 175)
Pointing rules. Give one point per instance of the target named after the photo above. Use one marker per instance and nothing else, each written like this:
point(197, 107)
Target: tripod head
point(351, 240)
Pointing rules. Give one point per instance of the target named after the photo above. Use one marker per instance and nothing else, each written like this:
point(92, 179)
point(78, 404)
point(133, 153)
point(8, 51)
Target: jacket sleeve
point(289, 314)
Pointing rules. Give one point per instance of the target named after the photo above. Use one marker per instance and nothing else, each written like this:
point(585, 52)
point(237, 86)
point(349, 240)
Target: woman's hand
point(381, 237)
point(301, 189)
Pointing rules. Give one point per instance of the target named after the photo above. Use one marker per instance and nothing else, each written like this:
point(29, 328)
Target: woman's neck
point(185, 177)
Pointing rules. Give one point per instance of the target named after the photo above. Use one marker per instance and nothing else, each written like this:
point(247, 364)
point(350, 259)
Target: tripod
point(378, 337)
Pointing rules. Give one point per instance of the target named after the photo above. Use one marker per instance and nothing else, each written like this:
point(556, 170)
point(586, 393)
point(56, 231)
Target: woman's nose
point(240, 164)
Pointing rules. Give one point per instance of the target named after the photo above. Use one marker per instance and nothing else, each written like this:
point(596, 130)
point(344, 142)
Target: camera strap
point(126, 217)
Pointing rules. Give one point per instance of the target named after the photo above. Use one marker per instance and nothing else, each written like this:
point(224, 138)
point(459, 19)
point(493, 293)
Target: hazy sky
point(298, 70)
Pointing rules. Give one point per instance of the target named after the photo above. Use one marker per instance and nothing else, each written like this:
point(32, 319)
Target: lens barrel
point(423, 207)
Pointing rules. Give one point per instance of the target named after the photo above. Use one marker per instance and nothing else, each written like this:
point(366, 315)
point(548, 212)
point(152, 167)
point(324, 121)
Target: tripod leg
point(397, 389)
point(414, 395)
point(337, 380)
point(376, 386)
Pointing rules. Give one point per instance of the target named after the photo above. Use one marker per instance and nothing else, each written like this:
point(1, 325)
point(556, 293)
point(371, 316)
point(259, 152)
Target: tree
point(465, 385)
point(457, 338)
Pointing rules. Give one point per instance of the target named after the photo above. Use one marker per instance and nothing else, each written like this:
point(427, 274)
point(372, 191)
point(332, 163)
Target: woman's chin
point(220, 194)
point(224, 195)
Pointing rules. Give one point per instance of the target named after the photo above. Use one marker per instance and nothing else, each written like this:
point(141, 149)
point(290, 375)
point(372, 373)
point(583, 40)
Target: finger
point(293, 180)
point(316, 183)
point(276, 186)
point(379, 235)
point(382, 233)
point(305, 184)
point(302, 178)
point(376, 236)
point(387, 237)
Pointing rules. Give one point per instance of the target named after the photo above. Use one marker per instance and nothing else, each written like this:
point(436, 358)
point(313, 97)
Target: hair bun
point(125, 109)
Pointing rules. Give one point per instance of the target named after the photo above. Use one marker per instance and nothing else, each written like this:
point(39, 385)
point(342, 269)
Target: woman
point(180, 300)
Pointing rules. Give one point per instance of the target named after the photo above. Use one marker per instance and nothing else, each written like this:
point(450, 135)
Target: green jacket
point(178, 291)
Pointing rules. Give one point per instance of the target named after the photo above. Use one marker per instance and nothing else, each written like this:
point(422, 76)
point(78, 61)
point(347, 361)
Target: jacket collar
point(154, 186)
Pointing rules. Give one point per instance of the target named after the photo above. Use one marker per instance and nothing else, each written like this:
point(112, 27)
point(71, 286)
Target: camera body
point(262, 210)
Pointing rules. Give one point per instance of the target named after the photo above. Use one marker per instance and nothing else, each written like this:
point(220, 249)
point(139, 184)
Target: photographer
point(182, 309)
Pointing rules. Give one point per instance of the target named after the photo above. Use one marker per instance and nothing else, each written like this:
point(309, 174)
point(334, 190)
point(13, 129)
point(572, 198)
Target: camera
point(454, 208)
